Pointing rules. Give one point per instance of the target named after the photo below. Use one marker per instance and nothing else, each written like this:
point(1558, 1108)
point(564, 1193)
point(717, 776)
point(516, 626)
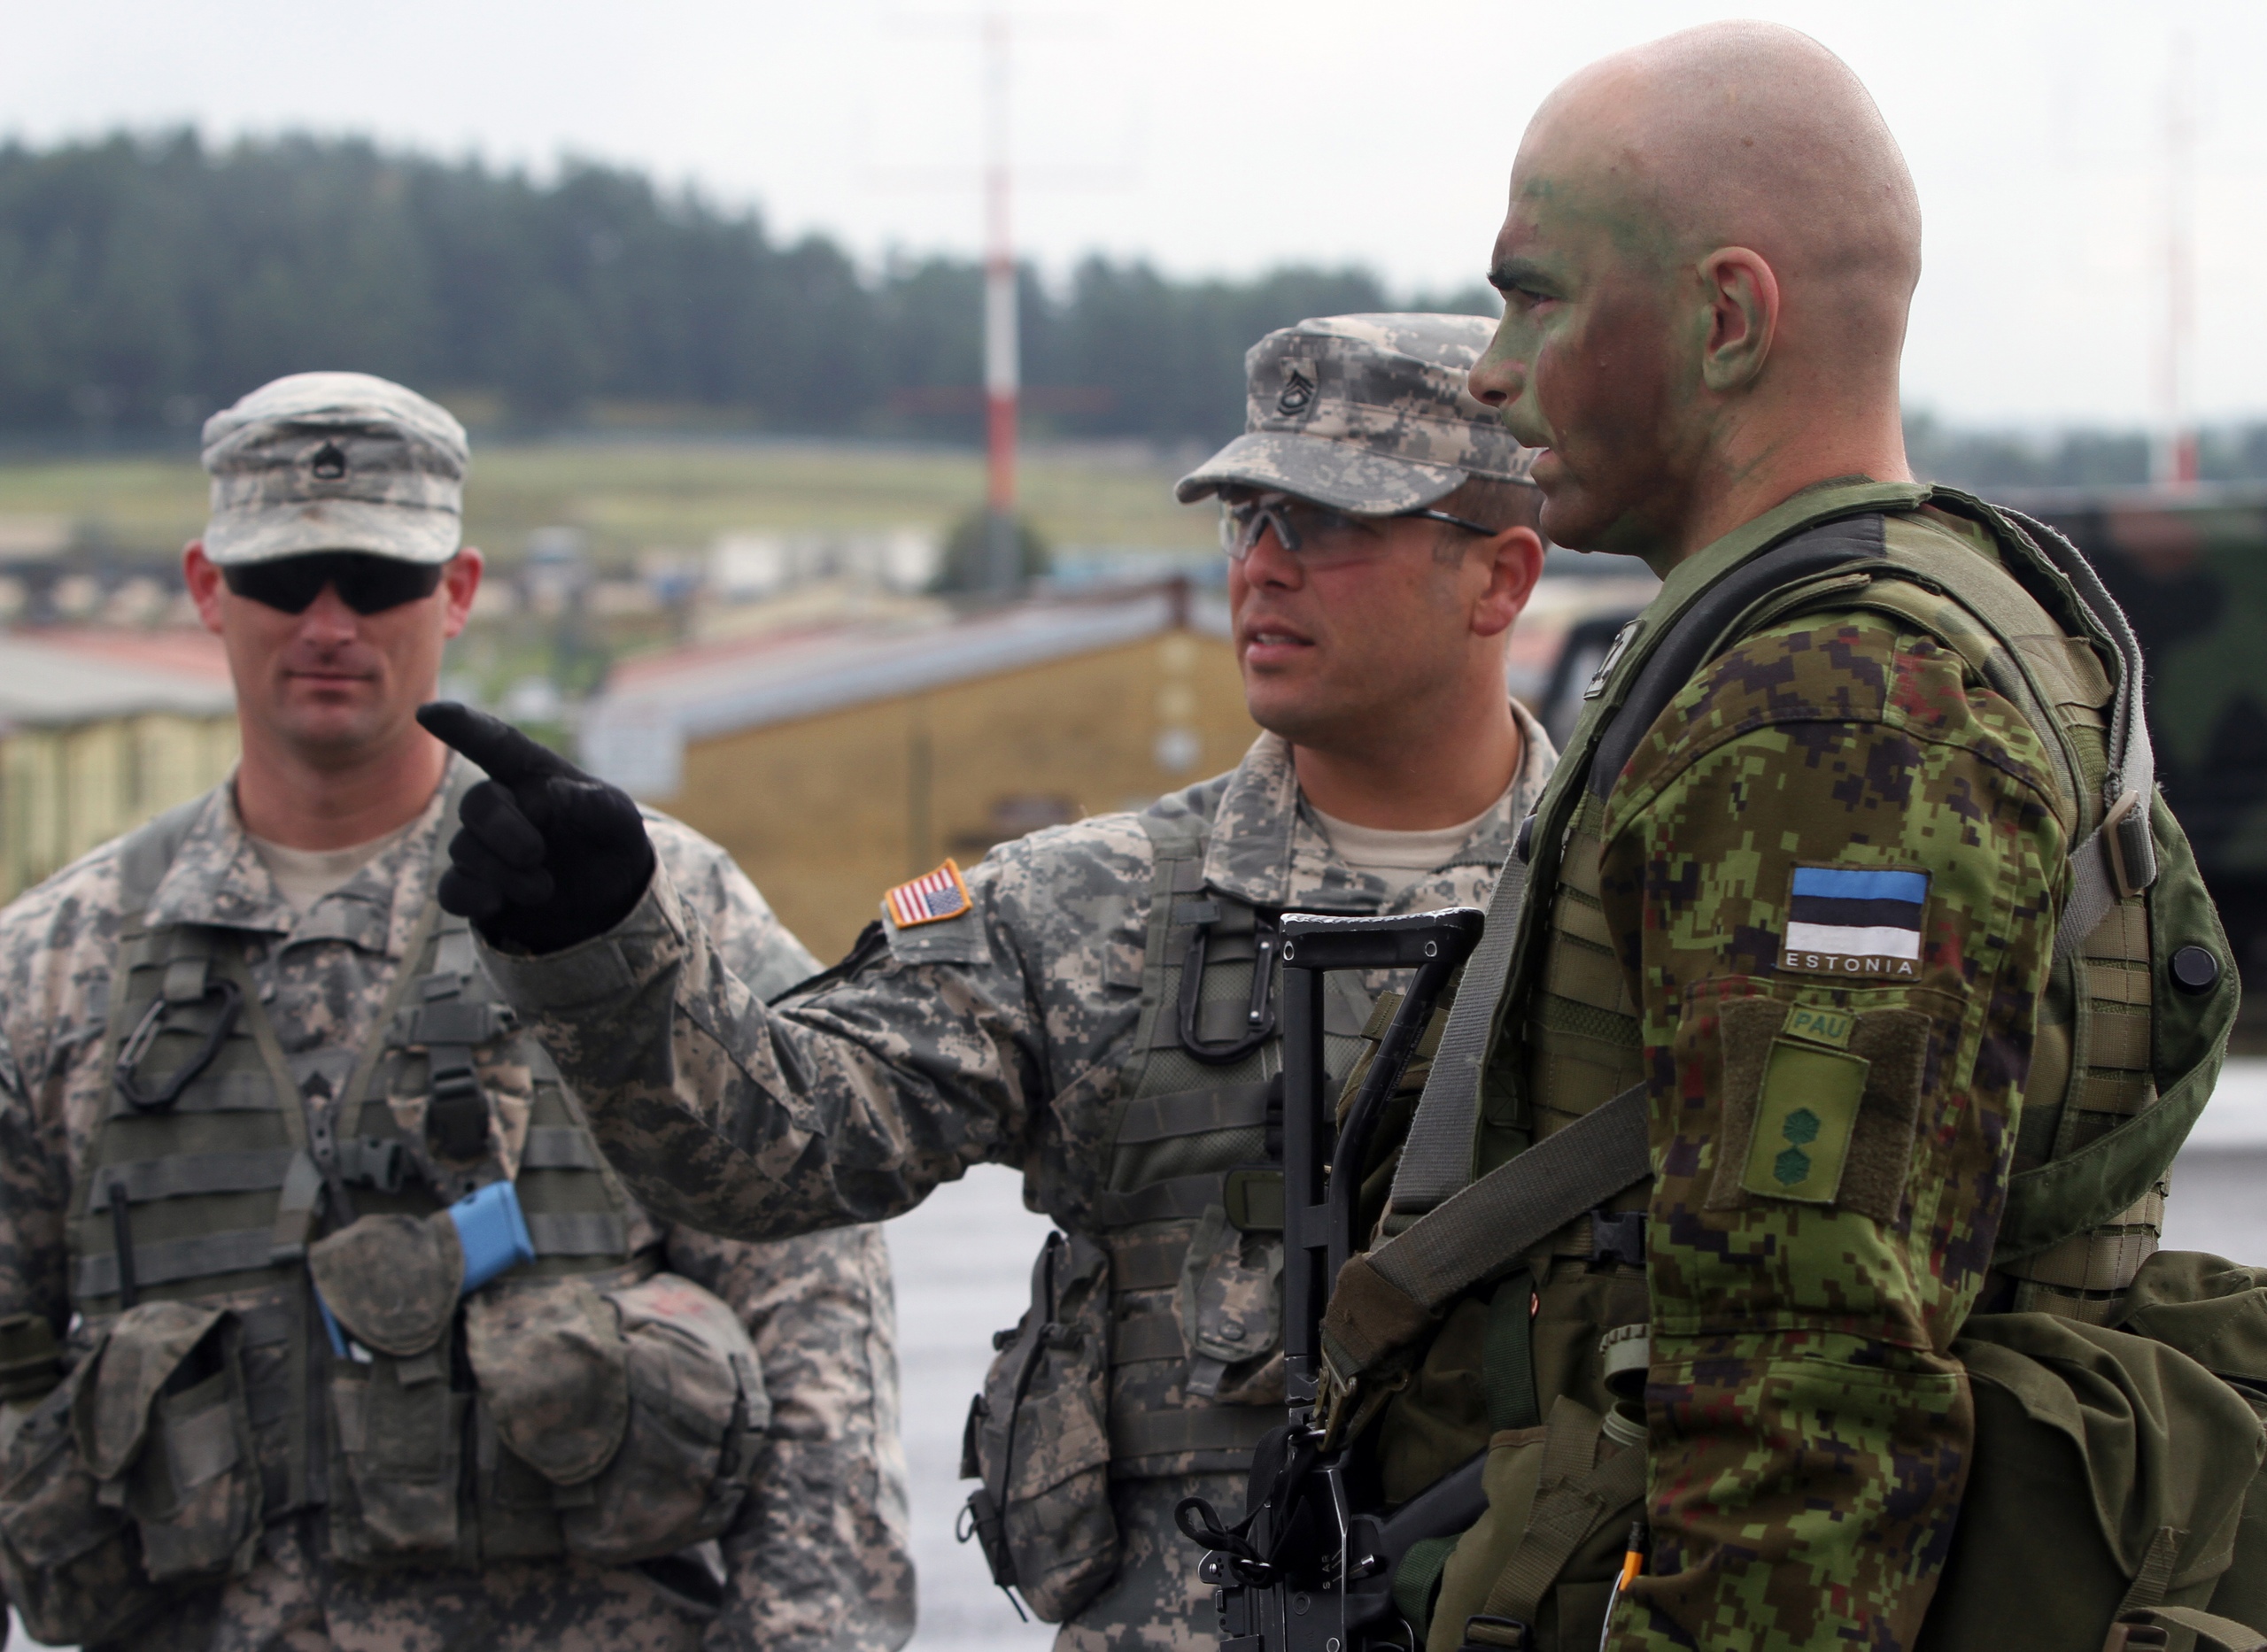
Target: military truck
point(2189, 566)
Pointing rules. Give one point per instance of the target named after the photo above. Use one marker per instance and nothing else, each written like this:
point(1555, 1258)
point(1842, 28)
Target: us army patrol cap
point(1365, 413)
point(335, 461)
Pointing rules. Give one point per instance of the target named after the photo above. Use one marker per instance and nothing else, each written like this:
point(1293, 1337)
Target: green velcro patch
point(1804, 1121)
point(1821, 1023)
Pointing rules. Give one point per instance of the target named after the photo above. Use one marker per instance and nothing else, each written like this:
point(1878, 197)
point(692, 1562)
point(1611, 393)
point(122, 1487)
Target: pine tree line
point(145, 281)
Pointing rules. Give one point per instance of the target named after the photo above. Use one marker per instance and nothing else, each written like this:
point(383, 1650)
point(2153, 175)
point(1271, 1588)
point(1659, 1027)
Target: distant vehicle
point(1580, 655)
point(2189, 566)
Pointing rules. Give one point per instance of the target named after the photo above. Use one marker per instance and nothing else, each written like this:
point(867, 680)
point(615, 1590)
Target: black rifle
point(1305, 1570)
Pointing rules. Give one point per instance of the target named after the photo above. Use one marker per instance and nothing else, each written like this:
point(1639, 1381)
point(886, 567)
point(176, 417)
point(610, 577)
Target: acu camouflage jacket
point(998, 1035)
point(819, 1558)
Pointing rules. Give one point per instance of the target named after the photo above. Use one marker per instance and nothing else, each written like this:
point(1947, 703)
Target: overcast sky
point(1225, 136)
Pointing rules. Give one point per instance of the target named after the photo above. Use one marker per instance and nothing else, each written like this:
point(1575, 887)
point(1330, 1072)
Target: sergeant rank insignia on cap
point(1847, 919)
point(929, 899)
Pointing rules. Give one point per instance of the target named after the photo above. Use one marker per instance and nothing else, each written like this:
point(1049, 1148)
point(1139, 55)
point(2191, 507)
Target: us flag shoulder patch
point(1855, 921)
point(929, 899)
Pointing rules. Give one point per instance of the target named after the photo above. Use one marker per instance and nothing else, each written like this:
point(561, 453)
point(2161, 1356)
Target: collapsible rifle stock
point(1309, 1569)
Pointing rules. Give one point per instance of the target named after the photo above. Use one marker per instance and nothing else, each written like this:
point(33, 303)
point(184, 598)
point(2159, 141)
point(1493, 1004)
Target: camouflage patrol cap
point(1365, 413)
point(335, 461)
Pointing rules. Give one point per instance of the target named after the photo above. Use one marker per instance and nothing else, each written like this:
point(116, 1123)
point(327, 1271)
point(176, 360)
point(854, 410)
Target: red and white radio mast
point(1003, 558)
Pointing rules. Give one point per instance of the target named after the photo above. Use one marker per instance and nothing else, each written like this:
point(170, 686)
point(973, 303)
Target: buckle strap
point(1205, 1428)
point(145, 1180)
point(242, 1250)
point(578, 1233)
point(1194, 1112)
point(1181, 1199)
point(1618, 1236)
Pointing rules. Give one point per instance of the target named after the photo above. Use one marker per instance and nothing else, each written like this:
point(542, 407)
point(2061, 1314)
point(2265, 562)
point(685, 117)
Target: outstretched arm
point(845, 1104)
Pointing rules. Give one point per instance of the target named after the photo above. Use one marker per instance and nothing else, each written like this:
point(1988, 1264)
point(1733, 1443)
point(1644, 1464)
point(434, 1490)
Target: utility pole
point(2173, 461)
point(1003, 560)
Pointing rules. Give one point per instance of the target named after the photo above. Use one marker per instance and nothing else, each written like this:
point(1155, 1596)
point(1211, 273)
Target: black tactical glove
point(547, 856)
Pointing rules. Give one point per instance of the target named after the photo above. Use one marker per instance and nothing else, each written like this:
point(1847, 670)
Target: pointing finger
point(491, 742)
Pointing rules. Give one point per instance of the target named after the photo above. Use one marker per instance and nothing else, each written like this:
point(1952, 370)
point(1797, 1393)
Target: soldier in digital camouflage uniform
point(1810, 917)
point(1037, 1019)
point(307, 466)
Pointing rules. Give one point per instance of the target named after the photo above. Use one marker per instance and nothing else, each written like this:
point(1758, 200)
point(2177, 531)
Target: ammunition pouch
point(31, 1360)
point(1037, 1439)
point(612, 1417)
point(134, 1479)
point(1230, 1306)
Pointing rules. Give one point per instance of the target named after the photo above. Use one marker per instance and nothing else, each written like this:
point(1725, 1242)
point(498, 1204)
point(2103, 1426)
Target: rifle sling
point(1495, 1221)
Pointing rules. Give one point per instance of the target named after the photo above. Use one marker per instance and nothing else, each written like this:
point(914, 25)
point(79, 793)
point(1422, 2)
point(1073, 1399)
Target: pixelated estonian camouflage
point(2190, 569)
point(1809, 1266)
point(1365, 412)
point(817, 1557)
point(1001, 1036)
point(1793, 1336)
point(335, 461)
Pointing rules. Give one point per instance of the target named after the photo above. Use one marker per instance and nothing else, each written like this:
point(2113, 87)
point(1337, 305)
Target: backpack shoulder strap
point(1463, 1230)
point(1437, 1160)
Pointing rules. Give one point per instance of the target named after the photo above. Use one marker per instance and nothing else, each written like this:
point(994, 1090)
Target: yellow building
point(97, 735)
point(832, 764)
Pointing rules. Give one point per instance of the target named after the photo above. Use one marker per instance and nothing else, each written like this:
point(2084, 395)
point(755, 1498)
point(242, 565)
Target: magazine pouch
point(1038, 1437)
point(391, 1283)
point(136, 1475)
point(619, 1421)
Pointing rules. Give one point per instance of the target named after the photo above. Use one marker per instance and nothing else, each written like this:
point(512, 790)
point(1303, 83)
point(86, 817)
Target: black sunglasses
point(366, 584)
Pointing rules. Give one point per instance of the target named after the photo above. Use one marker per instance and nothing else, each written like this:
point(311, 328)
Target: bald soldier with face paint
point(1793, 927)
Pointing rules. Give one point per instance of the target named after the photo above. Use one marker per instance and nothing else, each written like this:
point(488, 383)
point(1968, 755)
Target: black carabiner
point(1259, 1015)
point(231, 1000)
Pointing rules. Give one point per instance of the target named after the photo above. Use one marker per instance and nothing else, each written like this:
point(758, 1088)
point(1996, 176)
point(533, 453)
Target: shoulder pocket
point(1820, 1105)
point(957, 940)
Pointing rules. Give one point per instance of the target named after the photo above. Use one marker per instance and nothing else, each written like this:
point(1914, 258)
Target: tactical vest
point(2072, 1244)
point(1153, 1346)
point(346, 1372)
point(2126, 1053)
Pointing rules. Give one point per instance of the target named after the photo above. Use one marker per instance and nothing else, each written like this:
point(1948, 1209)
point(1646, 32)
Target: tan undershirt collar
point(1398, 859)
point(303, 876)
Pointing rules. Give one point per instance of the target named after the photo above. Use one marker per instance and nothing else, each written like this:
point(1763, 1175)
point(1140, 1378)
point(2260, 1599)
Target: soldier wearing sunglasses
point(255, 1069)
point(1094, 1003)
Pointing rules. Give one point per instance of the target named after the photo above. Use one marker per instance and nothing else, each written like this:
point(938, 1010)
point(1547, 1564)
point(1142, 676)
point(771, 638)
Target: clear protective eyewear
point(1317, 534)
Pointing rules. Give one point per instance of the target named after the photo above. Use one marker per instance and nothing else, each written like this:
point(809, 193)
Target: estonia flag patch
point(929, 899)
point(1855, 921)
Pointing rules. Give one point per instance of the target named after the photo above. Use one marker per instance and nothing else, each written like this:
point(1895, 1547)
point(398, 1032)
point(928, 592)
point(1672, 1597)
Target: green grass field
point(631, 494)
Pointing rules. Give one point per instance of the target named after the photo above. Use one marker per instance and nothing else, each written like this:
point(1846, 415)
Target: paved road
point(964, 1261)
point(963, 1270)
